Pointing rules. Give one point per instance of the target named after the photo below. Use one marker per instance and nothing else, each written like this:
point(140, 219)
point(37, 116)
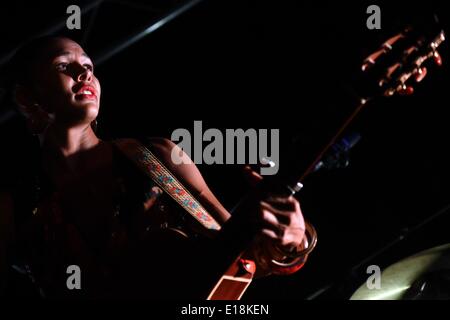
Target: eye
point(88, 66)
point(62, 66)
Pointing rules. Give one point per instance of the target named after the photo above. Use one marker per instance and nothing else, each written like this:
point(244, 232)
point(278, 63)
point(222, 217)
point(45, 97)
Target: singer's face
point(66, 84)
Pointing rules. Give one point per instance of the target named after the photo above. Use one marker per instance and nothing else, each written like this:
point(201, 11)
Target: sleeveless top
point(137, 253)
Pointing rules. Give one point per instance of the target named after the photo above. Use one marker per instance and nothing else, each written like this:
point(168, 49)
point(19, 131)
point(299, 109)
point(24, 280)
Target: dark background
point(292, 65)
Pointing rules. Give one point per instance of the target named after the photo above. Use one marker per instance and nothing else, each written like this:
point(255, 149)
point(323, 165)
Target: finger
point(280, 199)
point(268, 233)
point(288, 227)
point(269, 219)
point(280, 213)
point(286, 218)
point(282, 203)
point(272, 229)
point(293, 218)
point(270, 222)
point(284, 238)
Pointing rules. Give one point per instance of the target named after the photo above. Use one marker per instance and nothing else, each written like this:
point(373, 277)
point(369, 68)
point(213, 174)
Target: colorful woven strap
point(152, 167)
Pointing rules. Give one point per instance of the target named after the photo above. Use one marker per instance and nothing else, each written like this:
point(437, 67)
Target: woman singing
point(81, 201)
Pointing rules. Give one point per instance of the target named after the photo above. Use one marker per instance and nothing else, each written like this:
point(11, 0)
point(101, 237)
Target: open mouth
point(86, 92)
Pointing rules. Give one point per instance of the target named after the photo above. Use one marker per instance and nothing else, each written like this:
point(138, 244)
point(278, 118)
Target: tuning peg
point(420, 74)
point(406, 90)
point(437, 58)
point(438, 41)
point(367, 64)
point(389, 92)
point(387, 47)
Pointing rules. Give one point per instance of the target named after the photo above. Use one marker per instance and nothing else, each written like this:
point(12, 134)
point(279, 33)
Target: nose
point(85, 75)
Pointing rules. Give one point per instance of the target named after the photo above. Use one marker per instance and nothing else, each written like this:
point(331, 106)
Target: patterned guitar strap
point(233, 283)
point(150, 165)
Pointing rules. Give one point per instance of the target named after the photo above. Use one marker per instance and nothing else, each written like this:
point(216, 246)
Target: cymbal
point(425, 275)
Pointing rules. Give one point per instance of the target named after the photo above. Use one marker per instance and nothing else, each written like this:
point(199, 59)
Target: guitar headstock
point(401, 61)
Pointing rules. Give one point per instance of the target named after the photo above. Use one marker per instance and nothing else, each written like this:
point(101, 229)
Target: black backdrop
point(289, 65)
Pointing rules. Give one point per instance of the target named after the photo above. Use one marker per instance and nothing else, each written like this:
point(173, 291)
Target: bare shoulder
point(165, 149)
point(162, 144)
point(187, 172)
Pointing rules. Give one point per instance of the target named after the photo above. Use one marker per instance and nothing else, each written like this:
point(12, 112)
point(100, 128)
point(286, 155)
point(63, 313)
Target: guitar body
point(235, 281)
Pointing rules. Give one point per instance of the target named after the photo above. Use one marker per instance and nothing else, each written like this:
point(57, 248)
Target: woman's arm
point(189, 175)
point(274, 222)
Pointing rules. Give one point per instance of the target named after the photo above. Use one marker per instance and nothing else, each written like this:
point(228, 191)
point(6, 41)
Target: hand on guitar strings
point(280, 218)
